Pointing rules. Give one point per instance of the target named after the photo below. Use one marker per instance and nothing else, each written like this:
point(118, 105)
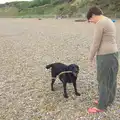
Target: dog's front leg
point(75, 88)
point(64, 86)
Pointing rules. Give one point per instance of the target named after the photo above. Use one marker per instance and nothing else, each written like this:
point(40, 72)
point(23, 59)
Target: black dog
point(66, 73)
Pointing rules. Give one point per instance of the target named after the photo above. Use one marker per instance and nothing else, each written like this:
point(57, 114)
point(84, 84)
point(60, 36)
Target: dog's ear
point(74, 68)
point(77, 67)
point(70, 67)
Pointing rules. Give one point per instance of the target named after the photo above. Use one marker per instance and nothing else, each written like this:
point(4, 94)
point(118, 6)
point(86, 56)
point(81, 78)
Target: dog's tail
point(49, 66)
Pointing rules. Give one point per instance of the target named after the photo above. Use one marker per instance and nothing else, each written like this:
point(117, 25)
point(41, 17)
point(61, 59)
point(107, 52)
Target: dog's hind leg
point(53, 80)
point(75, 88)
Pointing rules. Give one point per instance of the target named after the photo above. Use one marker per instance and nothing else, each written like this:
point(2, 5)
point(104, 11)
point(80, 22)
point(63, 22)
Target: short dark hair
point(94, 10)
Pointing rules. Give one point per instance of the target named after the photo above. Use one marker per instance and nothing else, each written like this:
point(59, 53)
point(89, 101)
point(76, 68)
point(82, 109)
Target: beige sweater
point(104, 40)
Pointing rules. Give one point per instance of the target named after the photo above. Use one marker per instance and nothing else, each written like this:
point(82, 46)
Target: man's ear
point(93, 15)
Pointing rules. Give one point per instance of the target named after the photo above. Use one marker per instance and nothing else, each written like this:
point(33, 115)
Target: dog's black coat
point(57, 68)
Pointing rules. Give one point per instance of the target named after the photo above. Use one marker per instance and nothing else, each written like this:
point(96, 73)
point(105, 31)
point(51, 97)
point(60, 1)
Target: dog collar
point(67, 72)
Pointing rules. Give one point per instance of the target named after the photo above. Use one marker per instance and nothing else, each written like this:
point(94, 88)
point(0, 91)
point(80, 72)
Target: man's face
point(92, 19)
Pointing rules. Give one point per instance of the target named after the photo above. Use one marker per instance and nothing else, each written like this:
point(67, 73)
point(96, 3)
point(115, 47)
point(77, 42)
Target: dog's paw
point(78, 94)
point(66, 96)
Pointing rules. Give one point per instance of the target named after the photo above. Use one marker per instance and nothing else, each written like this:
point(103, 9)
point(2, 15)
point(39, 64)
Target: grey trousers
point(107, 69)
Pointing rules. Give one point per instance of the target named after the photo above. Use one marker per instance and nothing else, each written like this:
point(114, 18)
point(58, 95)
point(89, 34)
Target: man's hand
point(92, 62)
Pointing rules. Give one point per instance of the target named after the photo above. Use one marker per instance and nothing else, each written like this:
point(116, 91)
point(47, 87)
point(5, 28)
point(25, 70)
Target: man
point(104, 48)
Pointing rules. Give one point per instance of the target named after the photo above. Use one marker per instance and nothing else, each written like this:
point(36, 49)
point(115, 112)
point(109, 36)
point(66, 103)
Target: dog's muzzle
point(75, 74)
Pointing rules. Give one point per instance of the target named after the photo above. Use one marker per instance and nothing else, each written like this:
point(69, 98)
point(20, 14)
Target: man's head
point(94, 14)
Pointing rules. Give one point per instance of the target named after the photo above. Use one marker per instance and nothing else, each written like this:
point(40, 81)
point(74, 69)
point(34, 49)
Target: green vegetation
point(50, 8)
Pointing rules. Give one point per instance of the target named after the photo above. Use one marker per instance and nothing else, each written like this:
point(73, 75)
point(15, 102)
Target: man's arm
point(98, 33)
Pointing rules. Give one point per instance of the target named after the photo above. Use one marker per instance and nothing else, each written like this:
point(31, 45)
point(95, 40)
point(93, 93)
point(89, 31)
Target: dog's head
point(74, 68)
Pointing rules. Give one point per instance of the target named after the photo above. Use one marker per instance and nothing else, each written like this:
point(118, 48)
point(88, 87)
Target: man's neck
point(99, 18)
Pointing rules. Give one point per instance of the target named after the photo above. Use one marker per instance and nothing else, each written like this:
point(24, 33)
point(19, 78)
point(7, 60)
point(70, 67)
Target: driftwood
point(80, 20)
